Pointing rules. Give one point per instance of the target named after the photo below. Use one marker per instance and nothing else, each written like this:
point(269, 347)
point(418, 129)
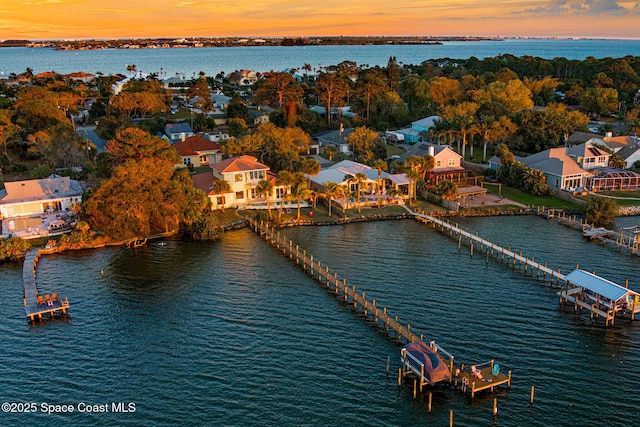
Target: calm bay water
point(232, 333)
point(190, 62)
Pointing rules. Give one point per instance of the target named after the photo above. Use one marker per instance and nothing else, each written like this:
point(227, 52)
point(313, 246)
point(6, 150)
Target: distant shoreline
point(202, 42)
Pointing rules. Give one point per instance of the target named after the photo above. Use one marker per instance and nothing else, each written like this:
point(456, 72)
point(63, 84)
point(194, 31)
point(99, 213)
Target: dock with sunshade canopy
point(602, 297)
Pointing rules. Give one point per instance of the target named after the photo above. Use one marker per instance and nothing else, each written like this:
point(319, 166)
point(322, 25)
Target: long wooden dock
point(342, 290)
point(626, 239)
point(35, 305)
point(529, 267)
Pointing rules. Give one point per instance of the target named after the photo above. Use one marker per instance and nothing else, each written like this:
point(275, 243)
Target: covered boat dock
point(602, 297)
point(426, 363)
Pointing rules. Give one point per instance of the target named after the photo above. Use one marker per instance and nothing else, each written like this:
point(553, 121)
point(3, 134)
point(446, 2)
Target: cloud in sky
point(587, 7)
point(168, 18)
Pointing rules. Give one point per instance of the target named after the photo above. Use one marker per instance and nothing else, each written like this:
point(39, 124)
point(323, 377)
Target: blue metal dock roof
point(598, 285)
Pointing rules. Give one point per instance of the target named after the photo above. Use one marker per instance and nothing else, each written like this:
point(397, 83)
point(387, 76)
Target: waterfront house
point(38, 196)
point(561, 170)
point(178, 131)
point(447, 163)
point(198, 151)
point(243, 173)
point(343, 173)
point(588, 156)
point(28, 208)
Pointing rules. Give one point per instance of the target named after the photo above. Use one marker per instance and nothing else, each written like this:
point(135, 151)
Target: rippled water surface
point(189, 62)
point(232, 333)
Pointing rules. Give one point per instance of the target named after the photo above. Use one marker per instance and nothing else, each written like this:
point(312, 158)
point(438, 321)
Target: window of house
point(239, 195)
point(253, 193)
point(256, 174)
point(452, 162)
point(601, 159)
point(280, 192)
point(220, 200)
point(203, 159)
point(438, 163)
point(238, 177)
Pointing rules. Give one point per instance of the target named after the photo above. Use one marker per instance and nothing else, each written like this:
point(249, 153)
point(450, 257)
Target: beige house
point(198, 151)
point(38, 196)
point(588, 156)
point(243, 173)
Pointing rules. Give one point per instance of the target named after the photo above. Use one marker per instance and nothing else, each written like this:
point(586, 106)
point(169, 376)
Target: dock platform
point(37, 307)
point(487, 377)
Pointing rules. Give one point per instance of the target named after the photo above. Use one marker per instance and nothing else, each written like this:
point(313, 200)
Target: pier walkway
point(35, 305)
point(574, 291)
point(370, 309)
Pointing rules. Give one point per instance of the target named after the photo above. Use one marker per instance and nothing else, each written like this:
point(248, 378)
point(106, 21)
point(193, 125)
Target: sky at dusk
point(83, 19)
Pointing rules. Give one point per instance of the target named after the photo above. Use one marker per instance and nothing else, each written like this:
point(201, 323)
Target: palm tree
point(447, 189)
point(265, 188)
point(359, 179)
point(331, 190)
point(330, 150)
point(311, 167)
point(299, 190)
point(284, 178)
point(220, 187)
point(381, 166)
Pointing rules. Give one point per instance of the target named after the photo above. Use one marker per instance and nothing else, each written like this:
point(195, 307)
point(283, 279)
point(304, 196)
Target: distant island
point(197, 42)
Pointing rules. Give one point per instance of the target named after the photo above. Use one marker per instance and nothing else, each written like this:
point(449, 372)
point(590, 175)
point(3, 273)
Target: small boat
point(421, 359)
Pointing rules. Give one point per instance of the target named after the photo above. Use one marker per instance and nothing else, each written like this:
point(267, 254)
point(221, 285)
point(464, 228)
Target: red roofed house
point(198, 151)
point(243, 173)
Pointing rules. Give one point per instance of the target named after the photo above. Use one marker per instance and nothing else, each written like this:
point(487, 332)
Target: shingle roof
point(179, 127)
point(554, 161)
point(194, 145)
point(580, 136)
point(588, 149)
point(203, 181)
point(239, 164)
point(40, 189)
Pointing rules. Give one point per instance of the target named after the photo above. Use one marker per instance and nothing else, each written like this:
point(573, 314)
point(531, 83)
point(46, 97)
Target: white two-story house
point(243, 173)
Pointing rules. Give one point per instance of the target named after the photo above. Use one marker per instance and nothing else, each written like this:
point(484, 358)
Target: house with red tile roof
point(198, 151)
point(243, 173)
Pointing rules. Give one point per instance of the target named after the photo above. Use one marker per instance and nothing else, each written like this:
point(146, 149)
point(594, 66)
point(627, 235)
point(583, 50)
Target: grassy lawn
point(477, 154)
point(630, 198)
point(625, 194)
point(394, 150)
point(531, 200)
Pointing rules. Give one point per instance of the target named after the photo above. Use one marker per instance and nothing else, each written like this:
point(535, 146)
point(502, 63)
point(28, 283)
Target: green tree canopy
point(136, 144)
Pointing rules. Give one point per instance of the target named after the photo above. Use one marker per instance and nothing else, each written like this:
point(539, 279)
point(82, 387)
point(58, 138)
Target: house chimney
point(183, 136)
point(608, 135)
point(432, 150)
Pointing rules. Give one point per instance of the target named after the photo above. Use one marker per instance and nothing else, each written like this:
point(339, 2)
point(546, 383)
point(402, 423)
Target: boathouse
point(600, 296)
